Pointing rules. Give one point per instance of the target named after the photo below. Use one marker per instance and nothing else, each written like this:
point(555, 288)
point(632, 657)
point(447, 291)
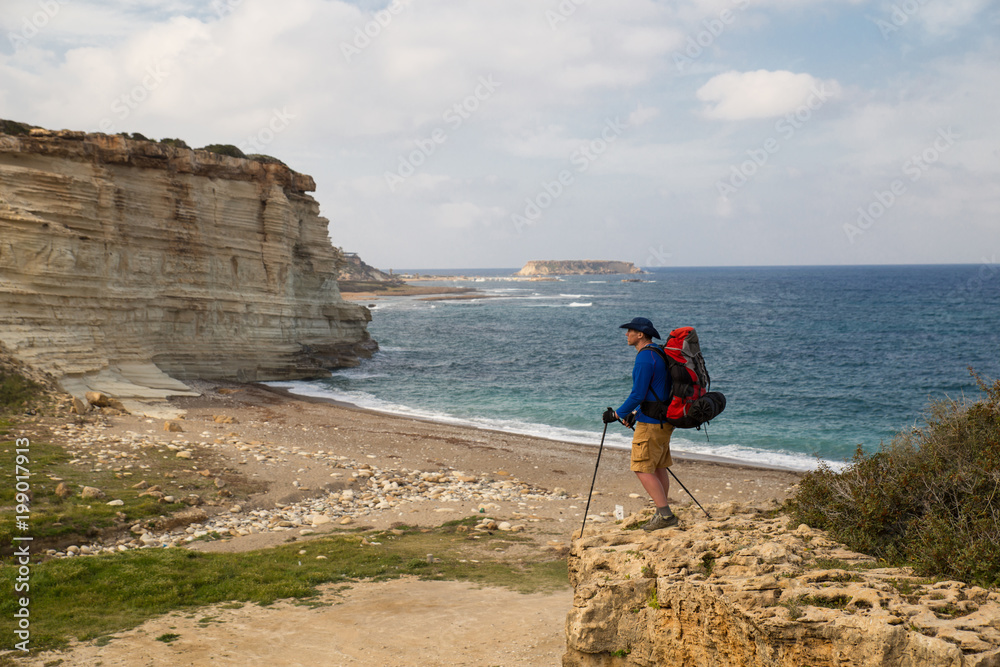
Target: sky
point(487, 133)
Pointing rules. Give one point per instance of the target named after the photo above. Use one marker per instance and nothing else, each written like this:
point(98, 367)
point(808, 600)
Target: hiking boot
point(659, 521)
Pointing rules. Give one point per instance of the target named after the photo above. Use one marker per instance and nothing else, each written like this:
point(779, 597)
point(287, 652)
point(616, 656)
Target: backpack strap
point(663, 355)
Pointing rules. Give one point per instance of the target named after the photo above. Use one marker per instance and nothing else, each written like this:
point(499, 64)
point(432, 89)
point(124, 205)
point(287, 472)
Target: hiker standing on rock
point(651, 442)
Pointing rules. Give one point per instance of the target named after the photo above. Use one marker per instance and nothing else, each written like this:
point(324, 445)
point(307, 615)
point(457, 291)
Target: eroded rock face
point(744, 589)
point(128, 265)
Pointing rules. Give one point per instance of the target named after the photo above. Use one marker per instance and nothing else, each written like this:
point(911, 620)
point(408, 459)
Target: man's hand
point(609, 416)
point(629, 420)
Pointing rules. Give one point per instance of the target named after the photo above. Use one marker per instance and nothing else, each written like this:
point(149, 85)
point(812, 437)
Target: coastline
point(370, 291)
point(404, 441)
point(293, 453)
point(678, 454)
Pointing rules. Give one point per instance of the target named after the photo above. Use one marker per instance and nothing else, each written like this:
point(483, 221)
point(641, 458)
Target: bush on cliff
point(14, 128)
point(265, 159)
point(178, 143)
point(135, 136)
point(224, 149)
point(929, 499)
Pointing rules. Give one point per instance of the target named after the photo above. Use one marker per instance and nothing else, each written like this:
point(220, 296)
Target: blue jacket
point(648, 375)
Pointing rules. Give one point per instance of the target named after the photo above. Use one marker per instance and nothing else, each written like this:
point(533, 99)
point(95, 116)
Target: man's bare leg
point(664, 477)
point(656, 486)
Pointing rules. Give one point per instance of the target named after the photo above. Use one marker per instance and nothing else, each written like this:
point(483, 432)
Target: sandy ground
point(406, 622)
point(397, 623)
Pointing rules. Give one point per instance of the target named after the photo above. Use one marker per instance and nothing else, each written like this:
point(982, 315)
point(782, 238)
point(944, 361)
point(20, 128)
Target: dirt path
point(390, 624)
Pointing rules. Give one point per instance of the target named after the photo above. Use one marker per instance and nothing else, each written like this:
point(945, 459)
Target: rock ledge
point(744, 589)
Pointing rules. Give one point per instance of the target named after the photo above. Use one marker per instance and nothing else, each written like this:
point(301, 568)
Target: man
point(651, 442)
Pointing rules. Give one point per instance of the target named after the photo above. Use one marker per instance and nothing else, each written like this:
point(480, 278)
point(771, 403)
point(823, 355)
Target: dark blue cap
point(642, 325)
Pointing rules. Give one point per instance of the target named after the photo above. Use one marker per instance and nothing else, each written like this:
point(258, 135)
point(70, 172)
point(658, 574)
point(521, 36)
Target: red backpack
point(690, 404)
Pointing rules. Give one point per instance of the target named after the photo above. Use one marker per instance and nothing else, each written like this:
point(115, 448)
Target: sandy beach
point(485, 626)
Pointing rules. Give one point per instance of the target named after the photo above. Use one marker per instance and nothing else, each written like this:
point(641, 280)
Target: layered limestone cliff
point(129, 266)
point(354, 269)
point(576, 267)
point(745, 589)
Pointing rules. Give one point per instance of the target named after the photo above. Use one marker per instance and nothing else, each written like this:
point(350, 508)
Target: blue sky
point(487, 133)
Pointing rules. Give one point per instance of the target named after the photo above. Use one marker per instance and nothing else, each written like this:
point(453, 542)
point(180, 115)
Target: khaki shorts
point(651, 447)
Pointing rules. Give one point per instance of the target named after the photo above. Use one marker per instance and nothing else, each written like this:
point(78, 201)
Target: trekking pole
point(601, 449)
point(677, 480)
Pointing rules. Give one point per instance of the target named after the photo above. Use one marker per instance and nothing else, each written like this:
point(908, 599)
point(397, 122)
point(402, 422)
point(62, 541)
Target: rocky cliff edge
point(129, 266)
point(744, 588)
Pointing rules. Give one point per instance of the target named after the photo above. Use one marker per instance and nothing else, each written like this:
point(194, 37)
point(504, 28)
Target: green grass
point(54, 518)
point(17, 393)
point(837, 564)
point(652, 600)
point(86, 598)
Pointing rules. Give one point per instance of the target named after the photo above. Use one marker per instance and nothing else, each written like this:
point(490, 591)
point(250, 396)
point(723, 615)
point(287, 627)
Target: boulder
point(102, 400)
point(180, 519)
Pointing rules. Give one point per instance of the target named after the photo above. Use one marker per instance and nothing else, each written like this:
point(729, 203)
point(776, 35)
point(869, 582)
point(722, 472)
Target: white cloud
point(352, 119)
point(761, 94)
point(945, 18)
point(458, 215)
point(642, 115)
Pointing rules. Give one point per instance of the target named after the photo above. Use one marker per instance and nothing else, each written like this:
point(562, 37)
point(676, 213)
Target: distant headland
point(576, 267)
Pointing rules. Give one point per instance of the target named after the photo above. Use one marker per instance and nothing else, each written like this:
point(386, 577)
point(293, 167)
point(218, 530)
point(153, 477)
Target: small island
point(577, 267)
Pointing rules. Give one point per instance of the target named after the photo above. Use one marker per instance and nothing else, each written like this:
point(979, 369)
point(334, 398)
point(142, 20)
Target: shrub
point(266, 159)
point(929, 499)
point(16, 392)
point(179, 143)
point(224, 149)
point(14, 128)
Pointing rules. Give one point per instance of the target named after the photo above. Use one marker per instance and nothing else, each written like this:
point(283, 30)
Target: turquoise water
point(813, 360)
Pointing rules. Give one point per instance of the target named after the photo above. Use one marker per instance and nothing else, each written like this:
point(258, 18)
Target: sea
point(815, 362)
